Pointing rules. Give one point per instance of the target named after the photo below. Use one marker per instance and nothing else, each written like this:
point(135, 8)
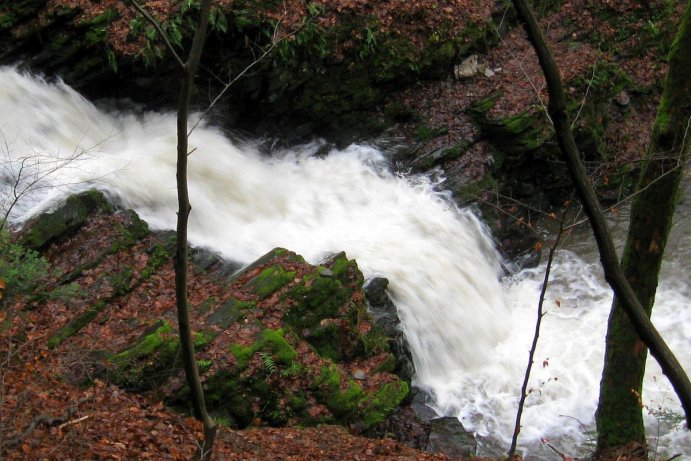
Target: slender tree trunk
point(608, 256)
point(619, 416)
point(189, 71)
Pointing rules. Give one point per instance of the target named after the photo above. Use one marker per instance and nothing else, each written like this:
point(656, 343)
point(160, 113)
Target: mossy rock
point(152, 358)
point(63, 221)
point(322, 308)
point(229, 312)
point(428, 160)
point(269, 341)
point(516, 134)
point(75, 325)
point(17, 11)
point(270, 280)
point(350, 403)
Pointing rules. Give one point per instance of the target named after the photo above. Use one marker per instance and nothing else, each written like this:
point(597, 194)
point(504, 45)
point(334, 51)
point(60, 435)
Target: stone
point(467, 68)
point(622, 98)
point(448, 436)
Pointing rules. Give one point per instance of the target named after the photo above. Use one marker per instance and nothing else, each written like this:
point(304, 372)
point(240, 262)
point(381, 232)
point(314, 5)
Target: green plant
point(269, 363)
point(21, 269)
point(295, 369)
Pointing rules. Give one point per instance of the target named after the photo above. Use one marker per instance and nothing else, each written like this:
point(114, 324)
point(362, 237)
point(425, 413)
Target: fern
point(293, 370)
point(269, 363)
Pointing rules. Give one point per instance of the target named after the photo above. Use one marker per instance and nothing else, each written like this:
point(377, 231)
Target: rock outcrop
point(280, 342)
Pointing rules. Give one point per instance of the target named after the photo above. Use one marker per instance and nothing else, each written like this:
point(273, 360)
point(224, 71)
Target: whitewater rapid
point(469, 329)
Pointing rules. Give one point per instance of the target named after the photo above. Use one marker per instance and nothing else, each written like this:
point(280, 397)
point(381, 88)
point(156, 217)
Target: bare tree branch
point(160, 31)
point(536, 336)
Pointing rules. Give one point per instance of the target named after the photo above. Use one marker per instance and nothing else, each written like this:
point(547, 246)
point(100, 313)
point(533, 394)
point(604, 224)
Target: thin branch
point(525, 74)
point(45, 420)
point(536, 336)
point(274, 42)
point(629, 197)
point(160, 31)
point(585, 96)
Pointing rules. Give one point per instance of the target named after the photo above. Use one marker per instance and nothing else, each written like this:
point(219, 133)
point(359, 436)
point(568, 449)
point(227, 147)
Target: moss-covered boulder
point(65, 219)
point(299, 347)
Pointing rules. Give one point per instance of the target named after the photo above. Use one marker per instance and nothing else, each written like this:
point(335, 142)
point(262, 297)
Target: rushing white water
point(468, 330)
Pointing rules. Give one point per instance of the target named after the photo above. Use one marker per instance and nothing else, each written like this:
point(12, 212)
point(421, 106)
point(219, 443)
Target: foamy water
point(469, 331)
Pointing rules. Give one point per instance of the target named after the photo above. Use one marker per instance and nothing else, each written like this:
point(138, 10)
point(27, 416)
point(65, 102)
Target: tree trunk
point(608, 256)
point(619, 416)
point(189, 71)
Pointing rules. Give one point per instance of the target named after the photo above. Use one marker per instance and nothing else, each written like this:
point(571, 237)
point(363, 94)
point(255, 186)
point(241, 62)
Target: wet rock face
point(448, 436)
point(279, 342)
point(386, 316)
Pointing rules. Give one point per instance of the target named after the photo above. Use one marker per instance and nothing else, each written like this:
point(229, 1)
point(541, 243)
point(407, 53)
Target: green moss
point(375, 342)
point(347, 400)
point(131, 233)
point(228, 398)
point(274, 341)
point(75, 325)
point(424, 133)
point(484, 105)
point(14, 12)
point(230, 312)
point(162, 335)
point(327, 295)
point(242, 354)
point(517, 124)
point(158, 256)
point(345, 403)
point(270, 280)
point(376, 407)
point(269, 341)
point(49, 227)
point(121, 281)
point(203, 338)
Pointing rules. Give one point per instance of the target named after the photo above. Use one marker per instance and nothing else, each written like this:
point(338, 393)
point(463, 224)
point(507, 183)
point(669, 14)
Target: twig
point(536, 336)
point(525, 74)
point(563, 456)
point(160, 31)
point(74, 421)
point(274, 42)
point(45, 420)
point(585, 96)
point(628, 197)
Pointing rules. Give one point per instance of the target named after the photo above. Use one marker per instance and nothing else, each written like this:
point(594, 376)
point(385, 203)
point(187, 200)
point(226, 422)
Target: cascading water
point(468, 330)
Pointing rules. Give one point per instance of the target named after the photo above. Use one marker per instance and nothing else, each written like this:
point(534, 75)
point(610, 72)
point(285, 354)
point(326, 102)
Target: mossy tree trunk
point(619, 416)
point(640, 319)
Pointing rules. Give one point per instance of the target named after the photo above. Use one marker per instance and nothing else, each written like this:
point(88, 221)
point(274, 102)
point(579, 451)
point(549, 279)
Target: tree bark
point(613, 273)
point(619, 417)
point(189, 70)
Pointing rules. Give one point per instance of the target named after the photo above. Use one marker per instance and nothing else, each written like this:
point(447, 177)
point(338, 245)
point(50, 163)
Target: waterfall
point(469, 330)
